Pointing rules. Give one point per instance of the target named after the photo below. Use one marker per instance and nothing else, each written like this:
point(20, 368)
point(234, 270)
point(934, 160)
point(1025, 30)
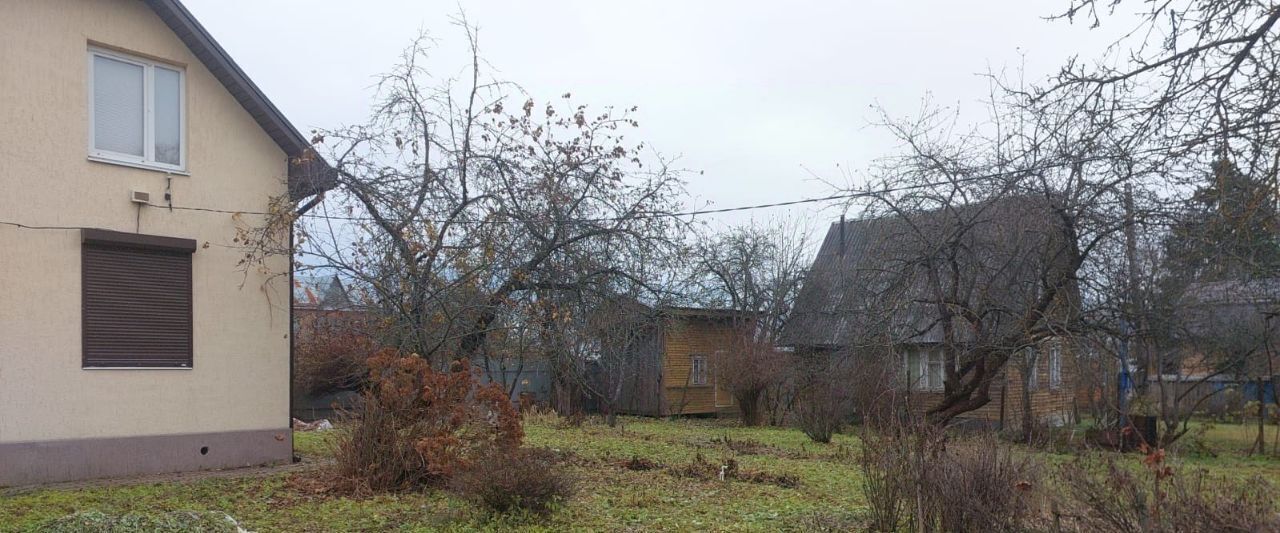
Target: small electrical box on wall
point(140, 197)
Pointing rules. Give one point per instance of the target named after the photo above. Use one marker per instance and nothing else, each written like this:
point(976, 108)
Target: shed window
point(137, 114)
point(698, 370)
point(136, 300)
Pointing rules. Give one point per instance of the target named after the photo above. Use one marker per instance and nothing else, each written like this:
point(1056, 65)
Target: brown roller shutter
point(136, 300)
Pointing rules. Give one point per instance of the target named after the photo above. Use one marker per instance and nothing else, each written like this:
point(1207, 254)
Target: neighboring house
point(321, 293)
point(1225, 338)
point(676, 359)
point(326, 319)
point(323, 302)
point(867, 296)
point(132, 340)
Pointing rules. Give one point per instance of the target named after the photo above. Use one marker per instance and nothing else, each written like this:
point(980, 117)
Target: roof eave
point(309, 174)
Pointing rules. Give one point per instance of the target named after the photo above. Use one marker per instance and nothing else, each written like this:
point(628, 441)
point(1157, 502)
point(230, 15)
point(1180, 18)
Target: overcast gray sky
point(760, 96)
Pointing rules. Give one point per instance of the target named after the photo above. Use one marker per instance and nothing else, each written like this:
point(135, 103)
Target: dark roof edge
point(309, 173)
point(707, 312)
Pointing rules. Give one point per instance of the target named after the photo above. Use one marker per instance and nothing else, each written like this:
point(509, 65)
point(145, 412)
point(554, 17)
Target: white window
point(137, 114)
point(1055, 365)
point(924, 369)
point(698, 370)
point(936, 373)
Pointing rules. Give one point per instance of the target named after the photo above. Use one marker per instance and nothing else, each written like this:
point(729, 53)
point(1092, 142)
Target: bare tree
point(1108, 146)
point(1192, 84)
point(619, 337)
point(1216, 329)
point(755, 270)
point(978, 238)
point(1192, 74)
point(466, 208)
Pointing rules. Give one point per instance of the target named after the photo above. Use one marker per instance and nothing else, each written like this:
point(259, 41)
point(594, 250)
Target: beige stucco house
point(130, 340)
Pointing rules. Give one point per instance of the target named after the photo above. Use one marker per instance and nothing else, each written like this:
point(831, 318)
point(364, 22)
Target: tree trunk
point(1028, 416)
point(1275, 397)
point(1260, 443)
point(749, 405)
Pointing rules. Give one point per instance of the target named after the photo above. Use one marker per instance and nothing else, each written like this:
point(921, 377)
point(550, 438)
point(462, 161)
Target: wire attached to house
point(31, 227)
point(640, 216)
point(606, 219)
point(846, 196)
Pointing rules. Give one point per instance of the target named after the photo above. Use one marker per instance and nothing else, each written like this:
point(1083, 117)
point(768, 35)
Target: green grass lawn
point(609, 496)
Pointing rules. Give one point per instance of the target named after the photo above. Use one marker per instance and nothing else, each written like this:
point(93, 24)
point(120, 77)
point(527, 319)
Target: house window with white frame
point(137, 111)
point(924, 369)
point(698, 370)
point(1055, 365)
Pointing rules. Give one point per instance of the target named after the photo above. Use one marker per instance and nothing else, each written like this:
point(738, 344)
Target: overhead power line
point(847, 196)
point(694, 213)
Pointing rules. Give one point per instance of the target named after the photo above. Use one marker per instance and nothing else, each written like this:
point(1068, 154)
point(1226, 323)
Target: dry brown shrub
point(573, 421)
point(1105, 496)
point(640, 464)
point(416, 426)
point(983, 486)
point(729, 469)
point(331, 357)
point(823, 408)
point(527, 479)
point(741, 446)
point(913, 475)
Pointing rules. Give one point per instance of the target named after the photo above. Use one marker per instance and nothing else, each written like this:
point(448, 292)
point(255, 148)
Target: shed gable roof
point(308, 172)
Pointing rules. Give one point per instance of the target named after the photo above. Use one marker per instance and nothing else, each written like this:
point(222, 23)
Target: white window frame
point(1055, 365)
point(938, 359)
point(698, 370)
point(148, 159)
point(919, 377)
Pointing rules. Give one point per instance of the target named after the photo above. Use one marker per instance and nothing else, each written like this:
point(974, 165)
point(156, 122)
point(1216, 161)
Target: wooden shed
point(676, 367)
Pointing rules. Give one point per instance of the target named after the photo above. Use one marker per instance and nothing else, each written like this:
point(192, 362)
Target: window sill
point(143, 166)
point(137, 368)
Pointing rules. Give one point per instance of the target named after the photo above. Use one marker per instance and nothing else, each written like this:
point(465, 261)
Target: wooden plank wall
point(685, 337)
point(642, 390)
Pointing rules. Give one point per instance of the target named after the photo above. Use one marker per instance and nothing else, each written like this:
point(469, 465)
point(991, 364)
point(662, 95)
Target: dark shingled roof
point(309, 174)
point(320, 292)
point(1230, 307)
point(870, 277)
point(1261, 293)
